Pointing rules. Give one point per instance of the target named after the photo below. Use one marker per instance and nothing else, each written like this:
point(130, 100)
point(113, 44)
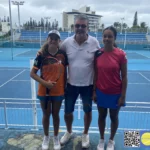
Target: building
point(69, 17)
point(5, 27)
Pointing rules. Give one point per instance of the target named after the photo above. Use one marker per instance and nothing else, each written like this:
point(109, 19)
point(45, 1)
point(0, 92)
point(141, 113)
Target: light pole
point(11, 28)
point(125, 38)
point(121, 24)
point(46, 18)
point(18, 4)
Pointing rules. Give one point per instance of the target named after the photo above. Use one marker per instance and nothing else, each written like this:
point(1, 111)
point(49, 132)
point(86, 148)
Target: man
point(80, 50)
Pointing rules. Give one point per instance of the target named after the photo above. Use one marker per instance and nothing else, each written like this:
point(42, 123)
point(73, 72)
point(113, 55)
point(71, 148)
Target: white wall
point(70, 20)
point(148, 37)
point(5, 26)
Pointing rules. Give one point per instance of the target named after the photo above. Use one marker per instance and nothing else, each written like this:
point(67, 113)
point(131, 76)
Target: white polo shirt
point(81, 60)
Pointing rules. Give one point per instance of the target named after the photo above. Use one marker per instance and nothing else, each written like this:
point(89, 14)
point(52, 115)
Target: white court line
point(142, 55)
point(144, 76)
point(20, 80)
point(22, 53)
point(12, 78)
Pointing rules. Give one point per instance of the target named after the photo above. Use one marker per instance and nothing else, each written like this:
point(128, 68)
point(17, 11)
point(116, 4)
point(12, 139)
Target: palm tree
point(115, 24)
point(124, 25)
point(102, 26)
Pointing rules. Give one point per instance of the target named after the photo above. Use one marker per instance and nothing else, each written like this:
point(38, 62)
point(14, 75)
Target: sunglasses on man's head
point(80, 25)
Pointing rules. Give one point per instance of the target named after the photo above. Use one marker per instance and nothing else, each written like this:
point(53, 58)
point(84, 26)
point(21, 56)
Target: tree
point(60, 29)
point(143, 25)
point(49, 26)
point(72, 27)
point(31, 22)
point(46, 24)
point(39, 24)
point(135, 21)
point(103, 26)
point(53, 25)
point(124, 25)
point(0, 26)
point(8, 20)
point(116, 24)
point(4, 18)
point(42, 22)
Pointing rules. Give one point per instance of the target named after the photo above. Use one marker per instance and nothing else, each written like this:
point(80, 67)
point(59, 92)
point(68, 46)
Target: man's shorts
point(71, 95)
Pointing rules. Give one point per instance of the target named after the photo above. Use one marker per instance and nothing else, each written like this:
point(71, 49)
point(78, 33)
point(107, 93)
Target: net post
point(33, 94)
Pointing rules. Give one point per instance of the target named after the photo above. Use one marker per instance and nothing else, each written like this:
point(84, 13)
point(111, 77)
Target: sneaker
point(56, 143)
point(110, 145)
point(85, 141)
point(65, 138)
point(101, 144)
point(45, 144)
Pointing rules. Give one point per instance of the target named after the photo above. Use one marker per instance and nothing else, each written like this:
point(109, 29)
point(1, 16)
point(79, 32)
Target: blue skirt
point(107, 100)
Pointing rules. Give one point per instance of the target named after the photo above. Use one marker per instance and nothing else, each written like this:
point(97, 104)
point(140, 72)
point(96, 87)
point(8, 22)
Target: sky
point(111, 10)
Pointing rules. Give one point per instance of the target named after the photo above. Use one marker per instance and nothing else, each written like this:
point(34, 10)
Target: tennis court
point(19, 109)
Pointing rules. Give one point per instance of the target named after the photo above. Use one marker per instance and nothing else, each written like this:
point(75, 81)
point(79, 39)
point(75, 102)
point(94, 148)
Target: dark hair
point(114, 32)
point(82, 17)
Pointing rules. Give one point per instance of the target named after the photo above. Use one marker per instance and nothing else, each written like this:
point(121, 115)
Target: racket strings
point(51, 72)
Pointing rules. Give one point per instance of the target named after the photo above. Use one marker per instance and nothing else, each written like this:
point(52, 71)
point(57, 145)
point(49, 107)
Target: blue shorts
point(107, 100)
point(51, 98)
point(71, 95)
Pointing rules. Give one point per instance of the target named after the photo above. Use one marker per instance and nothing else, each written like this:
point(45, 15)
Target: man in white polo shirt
point(80, 50)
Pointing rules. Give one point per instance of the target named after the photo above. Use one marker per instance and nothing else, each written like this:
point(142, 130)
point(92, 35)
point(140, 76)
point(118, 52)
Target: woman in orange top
point(56, 95)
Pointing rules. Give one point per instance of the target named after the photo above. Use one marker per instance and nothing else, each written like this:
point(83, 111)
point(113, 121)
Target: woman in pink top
point(110, 84)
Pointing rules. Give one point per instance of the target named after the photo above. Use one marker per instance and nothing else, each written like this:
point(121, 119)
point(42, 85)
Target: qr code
point(131, 139)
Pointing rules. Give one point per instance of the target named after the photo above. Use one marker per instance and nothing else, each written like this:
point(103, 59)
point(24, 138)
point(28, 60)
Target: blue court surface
point(18, 106)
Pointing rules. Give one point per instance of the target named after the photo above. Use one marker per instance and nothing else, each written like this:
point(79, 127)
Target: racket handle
point(47, 98)
point(46, 102)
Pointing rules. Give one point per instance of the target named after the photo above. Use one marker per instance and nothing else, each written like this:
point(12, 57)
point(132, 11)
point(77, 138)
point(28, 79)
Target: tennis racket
point(50, 71)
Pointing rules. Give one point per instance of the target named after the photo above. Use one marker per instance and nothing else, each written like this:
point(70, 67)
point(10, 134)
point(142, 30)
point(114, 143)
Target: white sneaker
point(85, 141)
point(56, 143)
point(65, 138)
point(110, 145)
point(101, 144)
point(45, 144)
